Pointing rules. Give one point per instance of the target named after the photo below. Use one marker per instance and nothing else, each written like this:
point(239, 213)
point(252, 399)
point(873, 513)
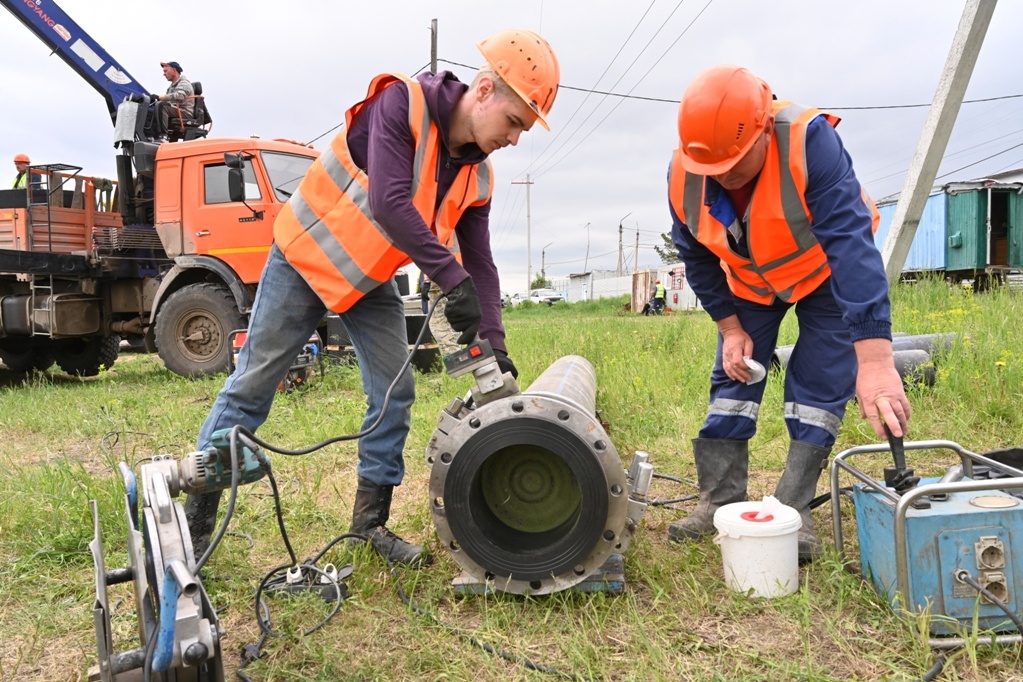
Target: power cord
point(667, 503)
point(962, 575)
point(238, 432)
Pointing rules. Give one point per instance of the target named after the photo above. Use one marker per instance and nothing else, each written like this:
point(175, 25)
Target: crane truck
point(161, 253)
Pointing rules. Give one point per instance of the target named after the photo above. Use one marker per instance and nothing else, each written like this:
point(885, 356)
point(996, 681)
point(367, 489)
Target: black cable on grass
point(666, 477)
point(246, 536)
point(826, 497)
point(674, 500)
point(939, 665)
point(472, 639)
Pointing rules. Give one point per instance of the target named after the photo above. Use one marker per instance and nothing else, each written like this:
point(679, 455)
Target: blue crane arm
point(77, 48)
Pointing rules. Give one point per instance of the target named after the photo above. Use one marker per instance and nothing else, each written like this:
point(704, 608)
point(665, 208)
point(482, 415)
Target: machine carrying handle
point(899, 477)
point(898, 449)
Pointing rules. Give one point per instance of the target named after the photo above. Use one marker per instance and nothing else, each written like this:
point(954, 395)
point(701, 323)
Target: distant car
point(506, 299)
point(518, 297)
point(548, 296)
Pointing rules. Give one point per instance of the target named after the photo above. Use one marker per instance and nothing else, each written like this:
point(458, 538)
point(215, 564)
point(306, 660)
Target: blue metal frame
point(890, 515)
point(77, 48)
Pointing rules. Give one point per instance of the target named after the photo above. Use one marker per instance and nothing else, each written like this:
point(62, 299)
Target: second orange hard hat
point(526, 62)
point(22, 158)
point(723, 112)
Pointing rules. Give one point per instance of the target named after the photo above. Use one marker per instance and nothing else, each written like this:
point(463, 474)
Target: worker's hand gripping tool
point(478, 358)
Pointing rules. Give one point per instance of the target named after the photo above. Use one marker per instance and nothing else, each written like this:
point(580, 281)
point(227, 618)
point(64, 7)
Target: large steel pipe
point(527, 492)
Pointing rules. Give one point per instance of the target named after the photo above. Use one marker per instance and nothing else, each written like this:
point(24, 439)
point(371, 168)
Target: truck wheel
point(192, 329)
point(24, 355)
point(84, 357)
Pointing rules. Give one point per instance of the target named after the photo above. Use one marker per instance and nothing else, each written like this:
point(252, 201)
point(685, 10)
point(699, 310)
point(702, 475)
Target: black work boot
point(201, 514)
point(722, 471)
point(369, 517)
point(797, 488)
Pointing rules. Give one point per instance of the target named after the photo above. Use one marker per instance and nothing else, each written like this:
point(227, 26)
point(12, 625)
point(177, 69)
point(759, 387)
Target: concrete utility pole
point(529, 249)
point(586, 262)
point(620, 251)
point(635, 255)
point(934, 137)
point(433, 46)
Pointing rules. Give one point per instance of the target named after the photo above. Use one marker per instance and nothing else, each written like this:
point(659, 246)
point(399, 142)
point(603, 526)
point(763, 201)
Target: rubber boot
point(722, 471)
point(201, 514)
point(369, 517)
point(797, 488)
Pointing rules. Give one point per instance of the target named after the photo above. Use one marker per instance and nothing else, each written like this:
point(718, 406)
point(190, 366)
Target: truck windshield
point(285, 171)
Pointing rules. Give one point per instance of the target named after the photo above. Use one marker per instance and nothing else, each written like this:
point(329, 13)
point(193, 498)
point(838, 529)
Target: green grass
point(61, 438)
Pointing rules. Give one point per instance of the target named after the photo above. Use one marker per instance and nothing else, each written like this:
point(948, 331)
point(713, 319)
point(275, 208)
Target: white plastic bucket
point(762, 556)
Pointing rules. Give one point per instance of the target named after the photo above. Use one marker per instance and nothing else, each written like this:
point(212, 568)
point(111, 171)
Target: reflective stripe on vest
point(327, 230)
point(786, 261)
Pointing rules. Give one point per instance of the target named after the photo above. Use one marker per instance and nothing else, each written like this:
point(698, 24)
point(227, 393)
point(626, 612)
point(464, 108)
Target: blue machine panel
point(942, 540)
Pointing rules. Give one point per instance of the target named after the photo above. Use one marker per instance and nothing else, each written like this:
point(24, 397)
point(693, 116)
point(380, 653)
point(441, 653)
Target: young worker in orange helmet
point(768, 215)
point(408, 169)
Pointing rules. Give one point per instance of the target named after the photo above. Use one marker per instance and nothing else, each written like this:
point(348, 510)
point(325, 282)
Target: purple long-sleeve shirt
point(841, 222)
point(382, 144)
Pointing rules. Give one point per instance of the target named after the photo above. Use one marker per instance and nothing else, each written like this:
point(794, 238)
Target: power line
point(579, 127)
point(652, 67)
point(628, 95)
point(1015, 146)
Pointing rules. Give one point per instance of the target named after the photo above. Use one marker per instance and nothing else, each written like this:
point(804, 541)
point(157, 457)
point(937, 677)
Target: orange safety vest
point(327, 231)
point(786, 261)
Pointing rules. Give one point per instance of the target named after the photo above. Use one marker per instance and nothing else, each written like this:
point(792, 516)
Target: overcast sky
point(290, 69)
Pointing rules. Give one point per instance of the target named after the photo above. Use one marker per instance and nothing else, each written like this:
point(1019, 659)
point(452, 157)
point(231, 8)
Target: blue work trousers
point(820, 377)
point(284, 315)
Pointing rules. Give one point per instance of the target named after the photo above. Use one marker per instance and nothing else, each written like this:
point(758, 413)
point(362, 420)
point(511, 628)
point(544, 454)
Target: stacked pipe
point(912, 355)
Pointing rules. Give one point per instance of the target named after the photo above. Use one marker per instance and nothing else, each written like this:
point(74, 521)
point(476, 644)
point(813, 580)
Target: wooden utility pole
point(934, 137)
point(529, 263)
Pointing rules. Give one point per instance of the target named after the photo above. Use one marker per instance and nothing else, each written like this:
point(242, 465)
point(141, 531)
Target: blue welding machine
point(927, 548)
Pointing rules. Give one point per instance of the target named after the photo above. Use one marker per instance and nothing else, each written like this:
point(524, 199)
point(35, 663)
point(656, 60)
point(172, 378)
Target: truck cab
point(219, 246)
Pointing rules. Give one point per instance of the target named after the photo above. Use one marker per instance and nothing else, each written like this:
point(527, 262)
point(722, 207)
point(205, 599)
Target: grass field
point(61, 439)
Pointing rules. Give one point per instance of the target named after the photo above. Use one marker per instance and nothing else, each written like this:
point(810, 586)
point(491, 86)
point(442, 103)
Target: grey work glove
point(463, 310)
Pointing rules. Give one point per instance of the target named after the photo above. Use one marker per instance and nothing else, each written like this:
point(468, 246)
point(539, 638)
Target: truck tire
point(86, 356)
point(192, 329)
point(24, 355)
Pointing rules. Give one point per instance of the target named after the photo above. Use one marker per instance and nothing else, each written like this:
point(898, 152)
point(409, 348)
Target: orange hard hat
point(526, 62)
point(723, 112)
point(22, 158)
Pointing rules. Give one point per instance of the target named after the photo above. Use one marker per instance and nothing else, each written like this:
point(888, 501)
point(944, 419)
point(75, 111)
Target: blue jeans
point(820, 377)
point(284, 315)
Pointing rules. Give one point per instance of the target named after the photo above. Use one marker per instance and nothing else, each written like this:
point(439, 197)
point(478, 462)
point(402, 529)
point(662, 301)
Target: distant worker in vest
point(768, 215)
point(660, 295)
point(408, 170)
point(179, 100)
point(21, 163)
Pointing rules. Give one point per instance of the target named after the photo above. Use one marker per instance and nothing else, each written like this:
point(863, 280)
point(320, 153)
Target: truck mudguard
point(184, 269)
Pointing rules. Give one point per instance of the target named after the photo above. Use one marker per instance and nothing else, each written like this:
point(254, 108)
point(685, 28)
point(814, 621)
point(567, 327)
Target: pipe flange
point(527, 493)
